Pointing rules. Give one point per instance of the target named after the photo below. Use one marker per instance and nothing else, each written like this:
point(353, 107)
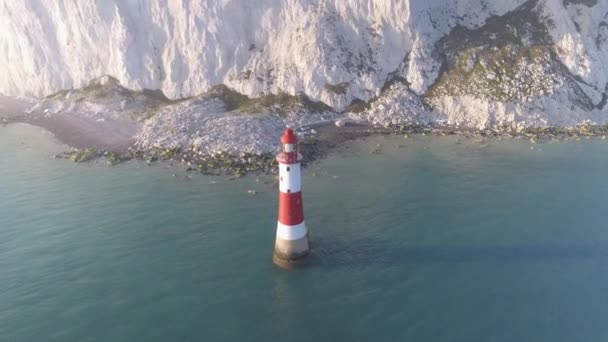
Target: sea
point(425, 238)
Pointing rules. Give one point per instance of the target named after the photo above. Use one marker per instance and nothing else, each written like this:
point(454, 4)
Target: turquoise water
point(444, 239)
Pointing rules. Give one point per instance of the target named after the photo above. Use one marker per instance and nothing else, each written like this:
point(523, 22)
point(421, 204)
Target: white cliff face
point(543, 64)
point(580, 32)
point(332, 50)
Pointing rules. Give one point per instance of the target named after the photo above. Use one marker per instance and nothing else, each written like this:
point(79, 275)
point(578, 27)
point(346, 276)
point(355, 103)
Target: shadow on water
point(368, 252)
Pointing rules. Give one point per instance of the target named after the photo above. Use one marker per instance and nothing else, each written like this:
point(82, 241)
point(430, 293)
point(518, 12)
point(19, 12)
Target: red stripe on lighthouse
point(291, 209)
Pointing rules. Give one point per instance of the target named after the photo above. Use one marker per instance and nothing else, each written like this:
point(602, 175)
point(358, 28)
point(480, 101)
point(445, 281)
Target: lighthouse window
point(288, 169)
point(281, 179)
point(288, 191)
point(290, 148)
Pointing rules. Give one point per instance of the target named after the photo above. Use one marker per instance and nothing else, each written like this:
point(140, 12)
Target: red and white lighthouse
point(291, 242)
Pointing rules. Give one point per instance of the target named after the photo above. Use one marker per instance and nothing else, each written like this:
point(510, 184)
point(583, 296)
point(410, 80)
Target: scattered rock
point(238, 165)
point(81, 156)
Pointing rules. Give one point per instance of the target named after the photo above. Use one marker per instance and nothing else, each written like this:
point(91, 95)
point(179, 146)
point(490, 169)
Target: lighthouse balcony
point(289, 158)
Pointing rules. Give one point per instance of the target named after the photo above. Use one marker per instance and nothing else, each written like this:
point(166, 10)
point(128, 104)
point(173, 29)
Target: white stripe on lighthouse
point(296, 232)
point(290, 180)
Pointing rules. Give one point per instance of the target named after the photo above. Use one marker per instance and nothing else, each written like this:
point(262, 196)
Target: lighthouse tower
point(291, 242)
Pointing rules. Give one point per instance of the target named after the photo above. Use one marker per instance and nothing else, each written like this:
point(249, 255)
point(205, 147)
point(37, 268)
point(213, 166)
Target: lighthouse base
point(291, 245)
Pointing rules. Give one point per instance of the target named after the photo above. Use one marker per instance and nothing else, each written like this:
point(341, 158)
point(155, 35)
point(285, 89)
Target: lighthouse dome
point(289, 137)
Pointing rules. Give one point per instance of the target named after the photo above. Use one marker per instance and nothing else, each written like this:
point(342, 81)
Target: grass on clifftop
point(357, 106)
point(144, 104)
point(281, 102)
point(105, 87)
point(107, 91)
point(339, 88)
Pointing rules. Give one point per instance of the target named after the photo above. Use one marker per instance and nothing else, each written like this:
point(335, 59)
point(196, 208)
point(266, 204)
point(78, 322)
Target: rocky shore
point(319, 140)
point(225, 133)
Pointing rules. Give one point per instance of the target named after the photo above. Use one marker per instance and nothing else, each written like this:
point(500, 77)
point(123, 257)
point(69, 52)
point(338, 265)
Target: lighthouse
point(291, 244)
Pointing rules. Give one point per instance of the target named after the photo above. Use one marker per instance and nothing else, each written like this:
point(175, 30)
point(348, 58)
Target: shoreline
point(115, 137)
point(317, 140)
point(82, 133)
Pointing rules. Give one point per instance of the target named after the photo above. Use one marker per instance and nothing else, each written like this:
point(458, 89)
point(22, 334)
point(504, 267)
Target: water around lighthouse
point(432, 239)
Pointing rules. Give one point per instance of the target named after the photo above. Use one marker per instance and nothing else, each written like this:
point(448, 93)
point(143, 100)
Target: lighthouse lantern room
point(291, 243)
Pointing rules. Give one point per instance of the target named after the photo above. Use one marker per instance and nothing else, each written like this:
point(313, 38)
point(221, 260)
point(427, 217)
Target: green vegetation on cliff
point(281, 102)
point(508, 73)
